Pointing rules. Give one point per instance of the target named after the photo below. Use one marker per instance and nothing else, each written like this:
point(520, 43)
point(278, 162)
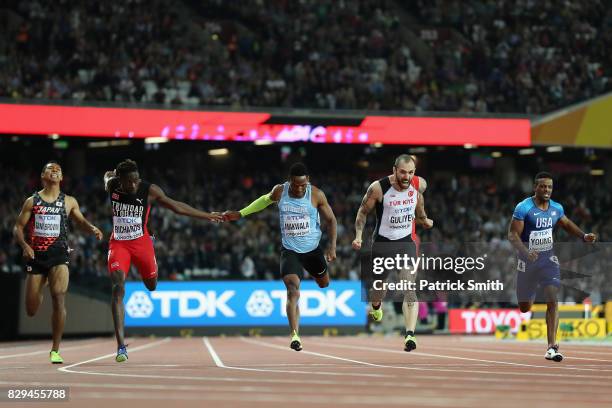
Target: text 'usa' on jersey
point(130, 213)
point(47, 228)
point(538, 223)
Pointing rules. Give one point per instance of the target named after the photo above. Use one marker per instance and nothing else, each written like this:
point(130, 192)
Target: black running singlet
point(130, 213)
point(47, 227)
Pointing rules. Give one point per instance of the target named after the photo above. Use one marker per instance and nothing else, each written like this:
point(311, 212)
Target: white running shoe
point(553, 354)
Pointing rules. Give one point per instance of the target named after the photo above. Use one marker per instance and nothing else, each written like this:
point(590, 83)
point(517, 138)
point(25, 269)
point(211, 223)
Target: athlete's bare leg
point(292, 282)
point(58, 286)
point(34, 292)
point(323, 280)
point(552, 314)
point(150, 283)
point(410, 306)
point(118, 281)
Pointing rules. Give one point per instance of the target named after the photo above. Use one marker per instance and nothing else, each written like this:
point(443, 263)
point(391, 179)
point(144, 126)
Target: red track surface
point(445, 371)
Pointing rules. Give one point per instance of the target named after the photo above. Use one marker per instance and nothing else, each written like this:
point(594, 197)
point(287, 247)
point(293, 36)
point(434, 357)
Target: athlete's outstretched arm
point(157, 194)
point(74, 212)
point(421, 215)
point(258, 205)
point(22, 220)
point(514, 236)
point(330, 219)
point(575, 230)
point(370, 198)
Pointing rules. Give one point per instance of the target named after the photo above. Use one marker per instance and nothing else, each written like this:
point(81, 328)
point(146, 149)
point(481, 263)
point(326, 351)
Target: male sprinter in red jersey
point(45, 249)
point(396, 198)
point(531, 234)
point(299, 206)
point(130, 240)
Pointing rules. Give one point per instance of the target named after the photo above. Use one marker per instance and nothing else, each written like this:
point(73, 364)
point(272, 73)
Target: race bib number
point(127, 228)
point(541, 240)
point(296, 225)
point(47, 225)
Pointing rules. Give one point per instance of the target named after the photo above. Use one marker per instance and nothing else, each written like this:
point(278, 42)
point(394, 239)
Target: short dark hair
point(404, 158)
point(125, 167)
point(542, 175)
point(298, 170)
point(50, 162)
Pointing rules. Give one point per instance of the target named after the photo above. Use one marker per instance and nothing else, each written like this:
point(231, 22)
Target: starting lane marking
point(219, 363)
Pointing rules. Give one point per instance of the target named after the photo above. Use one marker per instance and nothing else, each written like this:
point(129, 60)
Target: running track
point(445, 371)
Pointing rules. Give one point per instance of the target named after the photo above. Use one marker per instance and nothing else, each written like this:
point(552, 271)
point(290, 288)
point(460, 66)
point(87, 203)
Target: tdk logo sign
point(189, 303)
point(312, 303)
point(230, 303)
point(139, 305)
point(318, 303)
point(259, 304)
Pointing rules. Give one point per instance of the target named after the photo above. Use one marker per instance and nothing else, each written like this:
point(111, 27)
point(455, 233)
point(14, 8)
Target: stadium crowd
point(470, 56)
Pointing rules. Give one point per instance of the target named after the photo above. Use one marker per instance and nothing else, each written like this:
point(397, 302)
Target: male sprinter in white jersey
point(45, 250)
point(130, 241)
point(396, 198)
point(299, 205)
point(532, 223)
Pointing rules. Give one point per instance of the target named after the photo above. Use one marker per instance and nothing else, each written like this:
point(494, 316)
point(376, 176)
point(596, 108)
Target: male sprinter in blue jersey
point(299, 205)
point(532, 224)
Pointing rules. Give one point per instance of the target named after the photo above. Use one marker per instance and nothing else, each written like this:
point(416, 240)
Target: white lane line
point(67, 369)
point(154, 365)
point(260, 343)
point(46, 351)
point(293, 365)
point(514, 353)
point(453, 381)
point(538, 374)
point(573, 345)
point(219, 363)
point(498, 363)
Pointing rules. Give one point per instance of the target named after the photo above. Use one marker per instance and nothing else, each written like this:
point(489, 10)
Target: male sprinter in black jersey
point(396, 198)
point(45, 247)
point(130, 240)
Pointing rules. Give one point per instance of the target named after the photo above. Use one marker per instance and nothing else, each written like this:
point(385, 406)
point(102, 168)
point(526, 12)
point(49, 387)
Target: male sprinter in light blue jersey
point(532, 224)
point(299, 205)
